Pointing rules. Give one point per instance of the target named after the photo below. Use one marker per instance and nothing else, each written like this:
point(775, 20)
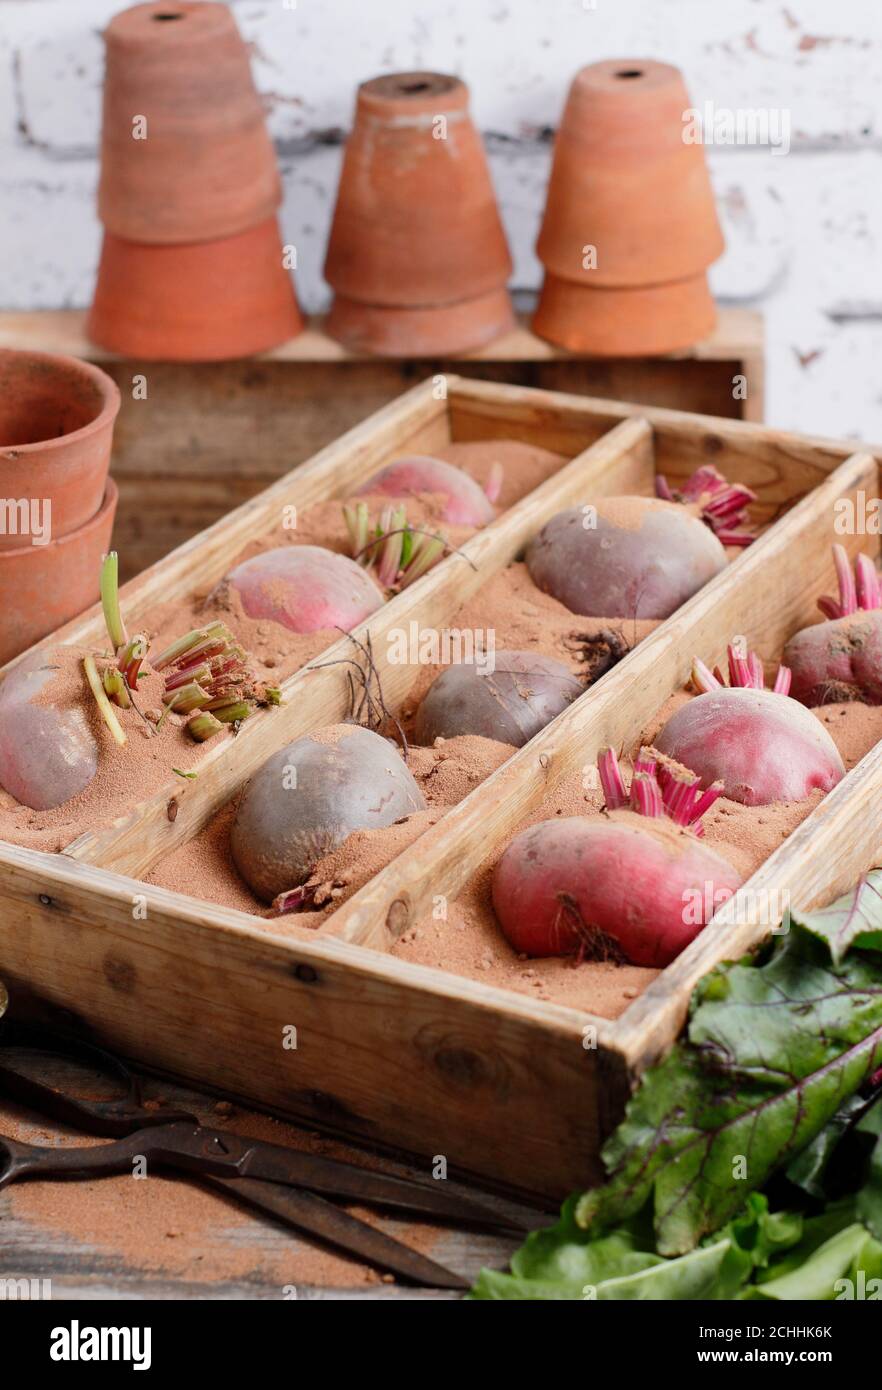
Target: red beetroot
point(841, 659)
point(761, 745)
point(47, 754)
point(519, 697)
point(305, 588)
point(626, 557)
point(467, 504)
point(635, 883)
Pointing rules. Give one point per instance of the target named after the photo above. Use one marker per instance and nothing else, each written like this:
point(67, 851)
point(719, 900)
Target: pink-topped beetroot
point(48, 754)
point(636, 883)
point(467, 503)
point(305, 588)
point(760, 745)
point(841, 659)
point(624, 557)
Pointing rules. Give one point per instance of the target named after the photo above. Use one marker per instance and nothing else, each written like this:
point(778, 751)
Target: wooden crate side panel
point(620, 461)
point(390, 1056)
point(744, 600)
point(779, 465)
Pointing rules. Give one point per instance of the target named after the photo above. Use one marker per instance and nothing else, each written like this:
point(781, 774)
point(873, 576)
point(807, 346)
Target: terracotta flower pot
point(185, 153)
point(446, 329)
point(642, 322)
point(56, 427)
point(416, 226)
point(629, 208)
point(201, 302)
point(46, 585)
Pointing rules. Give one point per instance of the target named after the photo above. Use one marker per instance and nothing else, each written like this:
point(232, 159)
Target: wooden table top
point(165, 1237)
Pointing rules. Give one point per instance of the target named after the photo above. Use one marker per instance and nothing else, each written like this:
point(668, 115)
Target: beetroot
point(761, 745)
point(47, 754)
point(308, 797)
point(642, 559)
point(305, 588)
point(841, 659)
point(633, 884)
point(524, 692)
point(467, 504)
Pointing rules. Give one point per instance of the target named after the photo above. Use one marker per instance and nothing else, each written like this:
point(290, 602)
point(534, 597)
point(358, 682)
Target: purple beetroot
point(307, 798)
point(625, 557)
point(48, 753)
point(522, 694)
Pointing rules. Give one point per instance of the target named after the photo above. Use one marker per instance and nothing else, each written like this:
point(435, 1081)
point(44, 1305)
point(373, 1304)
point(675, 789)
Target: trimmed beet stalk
point(721, 505)
point(393, 550)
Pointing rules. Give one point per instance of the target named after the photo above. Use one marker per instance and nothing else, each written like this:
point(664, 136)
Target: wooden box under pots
point(516, 1092)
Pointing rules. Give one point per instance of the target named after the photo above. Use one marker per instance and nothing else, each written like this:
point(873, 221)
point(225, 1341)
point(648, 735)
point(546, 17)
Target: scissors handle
point(175, 1145)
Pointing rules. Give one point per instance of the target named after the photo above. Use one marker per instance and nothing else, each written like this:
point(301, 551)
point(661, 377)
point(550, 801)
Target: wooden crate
point(211, 435)
point(512, 1090)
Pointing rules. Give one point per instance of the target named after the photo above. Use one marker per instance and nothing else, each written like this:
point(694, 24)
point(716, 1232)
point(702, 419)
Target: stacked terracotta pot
point(417, 255)
point(192, 265)
point(57, 503)
point(630, 224)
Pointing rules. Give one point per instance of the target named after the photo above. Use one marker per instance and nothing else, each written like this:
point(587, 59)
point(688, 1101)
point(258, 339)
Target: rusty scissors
point(290, 1185)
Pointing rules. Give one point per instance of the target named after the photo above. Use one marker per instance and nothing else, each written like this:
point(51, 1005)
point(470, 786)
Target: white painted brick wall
point(804, 231)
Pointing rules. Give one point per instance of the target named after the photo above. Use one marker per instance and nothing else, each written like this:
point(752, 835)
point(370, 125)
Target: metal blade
point(334, 1178)
point(307, 1212)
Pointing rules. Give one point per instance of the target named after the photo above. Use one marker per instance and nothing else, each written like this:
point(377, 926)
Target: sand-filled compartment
point(149, 759)
point(470, 942)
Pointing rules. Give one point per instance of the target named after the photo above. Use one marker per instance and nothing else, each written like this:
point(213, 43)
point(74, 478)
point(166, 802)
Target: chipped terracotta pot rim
point(110, 404)
point(108, 502)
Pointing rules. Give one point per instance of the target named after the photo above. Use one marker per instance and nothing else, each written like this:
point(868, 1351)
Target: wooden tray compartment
point(510, 1089)
point(616, 451)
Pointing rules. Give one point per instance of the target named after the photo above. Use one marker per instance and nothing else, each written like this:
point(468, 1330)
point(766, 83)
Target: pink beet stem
point(679, 798)
point(707, 799)
point(614, 794)
point(662, 488)
point(493, 485)
point(867, 583)
point(756, 669)
point(739, 669)
point(646, 798)
point(782, 681)
point(703, 679)
point(829, 607)
point(845, 579)
point(726, 537)
point(706, 479)
point(645, 763)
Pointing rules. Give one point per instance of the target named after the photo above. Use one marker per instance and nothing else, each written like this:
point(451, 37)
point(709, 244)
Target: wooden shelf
point(209, 435)
point(738, 334)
